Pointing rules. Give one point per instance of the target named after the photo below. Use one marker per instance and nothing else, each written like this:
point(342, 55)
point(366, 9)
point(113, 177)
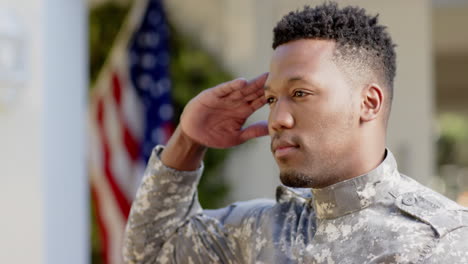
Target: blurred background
point(87, 88)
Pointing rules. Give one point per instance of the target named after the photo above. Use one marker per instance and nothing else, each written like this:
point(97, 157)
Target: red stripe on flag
point(104, 236)
point(131, 144)
point(168, 130)
point(116, 89)
point(122, 201)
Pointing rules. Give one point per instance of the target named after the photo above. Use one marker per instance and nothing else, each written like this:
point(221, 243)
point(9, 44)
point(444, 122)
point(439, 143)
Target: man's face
point(314, 114)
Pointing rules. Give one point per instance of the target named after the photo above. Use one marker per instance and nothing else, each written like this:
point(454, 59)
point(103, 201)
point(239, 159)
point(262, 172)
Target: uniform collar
point(357, 193)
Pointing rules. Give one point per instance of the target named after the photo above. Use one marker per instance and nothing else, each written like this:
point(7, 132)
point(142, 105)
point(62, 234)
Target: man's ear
point(372, 102)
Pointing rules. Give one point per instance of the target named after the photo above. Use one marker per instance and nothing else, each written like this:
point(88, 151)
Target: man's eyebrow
point(297, 79)
point(292, 80)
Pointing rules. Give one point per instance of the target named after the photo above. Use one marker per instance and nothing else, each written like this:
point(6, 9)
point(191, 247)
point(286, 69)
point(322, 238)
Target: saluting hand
point(216, 116)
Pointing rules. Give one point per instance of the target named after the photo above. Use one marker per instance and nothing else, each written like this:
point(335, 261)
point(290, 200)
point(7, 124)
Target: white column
point(44, 190)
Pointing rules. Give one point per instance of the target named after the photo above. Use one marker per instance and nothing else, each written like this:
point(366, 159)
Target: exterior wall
point(241, 38)
point(43, 194)
point(450, 39)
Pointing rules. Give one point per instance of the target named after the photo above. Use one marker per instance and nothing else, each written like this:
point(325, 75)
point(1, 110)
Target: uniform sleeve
point(167, 224)
point(452, 248)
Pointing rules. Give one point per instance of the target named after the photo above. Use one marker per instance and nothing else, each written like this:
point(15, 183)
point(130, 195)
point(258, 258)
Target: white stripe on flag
point(108, 210)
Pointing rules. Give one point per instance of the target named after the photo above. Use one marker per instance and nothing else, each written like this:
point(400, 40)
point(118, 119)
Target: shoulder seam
point(431, 212)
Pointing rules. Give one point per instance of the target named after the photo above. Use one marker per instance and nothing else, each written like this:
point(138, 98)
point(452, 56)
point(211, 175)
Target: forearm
point(164, 201)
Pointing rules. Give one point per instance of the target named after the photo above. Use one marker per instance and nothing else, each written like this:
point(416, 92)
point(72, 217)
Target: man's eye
point(270, 100)
point(299, 94)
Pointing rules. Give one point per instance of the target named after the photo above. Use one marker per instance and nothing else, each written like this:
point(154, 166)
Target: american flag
point(130, 112)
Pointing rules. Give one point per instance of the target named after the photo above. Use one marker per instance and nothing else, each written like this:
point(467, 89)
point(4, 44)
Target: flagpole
point(131, 22)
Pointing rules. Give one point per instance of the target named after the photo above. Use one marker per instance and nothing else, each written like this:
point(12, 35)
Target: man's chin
point(296, 179)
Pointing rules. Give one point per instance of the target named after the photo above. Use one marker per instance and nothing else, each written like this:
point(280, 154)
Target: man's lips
point(283, 149)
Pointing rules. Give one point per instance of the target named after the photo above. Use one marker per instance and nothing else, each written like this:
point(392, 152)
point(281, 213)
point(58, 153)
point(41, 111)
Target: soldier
point(329, 90)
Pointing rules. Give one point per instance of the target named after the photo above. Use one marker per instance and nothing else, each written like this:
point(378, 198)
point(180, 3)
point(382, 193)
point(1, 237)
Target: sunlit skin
point(324, 127)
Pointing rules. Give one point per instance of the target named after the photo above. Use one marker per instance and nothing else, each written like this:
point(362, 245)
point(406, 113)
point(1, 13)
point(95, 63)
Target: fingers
point(258, 129)
point(255, 84)
point(257, 103)
point(246, 88)
point(227, 88)
point(252, 96)
point(254, 89)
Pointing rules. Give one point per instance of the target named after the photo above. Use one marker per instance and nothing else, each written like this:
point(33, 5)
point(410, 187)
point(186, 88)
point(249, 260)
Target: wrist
point(182, 152)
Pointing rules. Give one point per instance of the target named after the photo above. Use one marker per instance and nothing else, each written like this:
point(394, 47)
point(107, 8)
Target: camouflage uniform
point(379, 217)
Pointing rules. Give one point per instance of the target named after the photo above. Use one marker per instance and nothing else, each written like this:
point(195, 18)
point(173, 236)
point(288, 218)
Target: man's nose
point(280, 116)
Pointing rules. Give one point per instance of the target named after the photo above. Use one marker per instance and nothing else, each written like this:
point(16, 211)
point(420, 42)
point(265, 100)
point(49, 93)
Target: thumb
point(258, 129)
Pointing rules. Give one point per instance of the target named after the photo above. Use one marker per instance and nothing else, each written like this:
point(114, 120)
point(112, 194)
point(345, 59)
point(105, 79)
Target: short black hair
point(352, 30)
